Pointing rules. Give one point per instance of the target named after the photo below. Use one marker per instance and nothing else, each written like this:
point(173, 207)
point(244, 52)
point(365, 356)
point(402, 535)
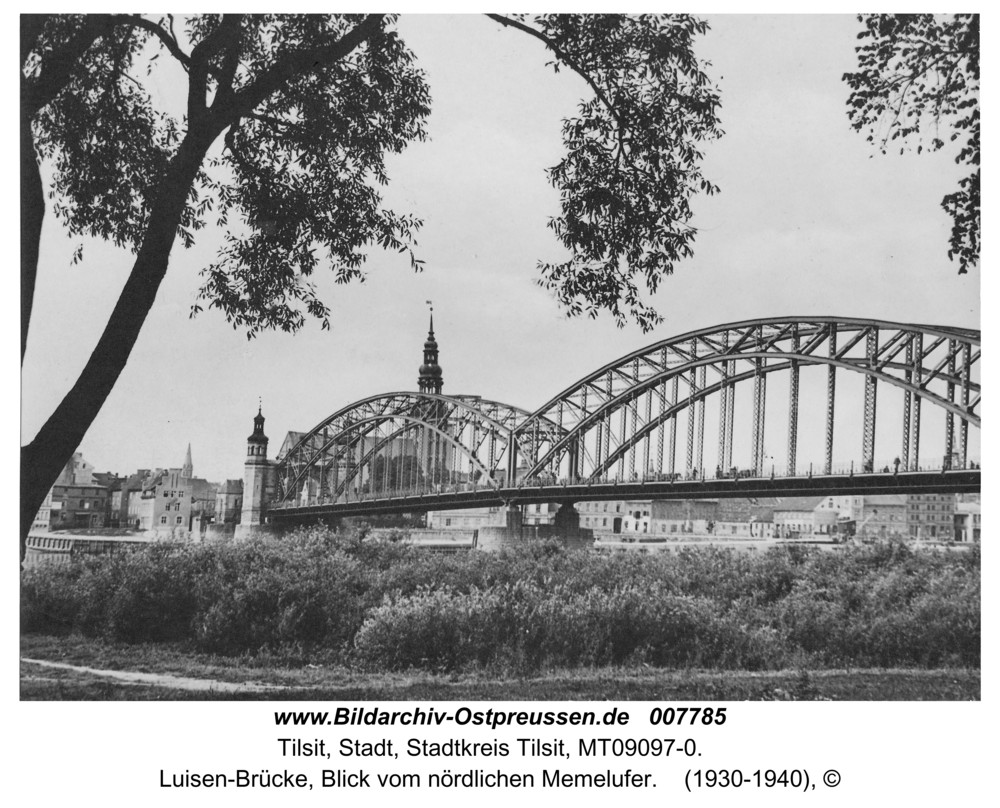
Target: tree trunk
point(44, 458)
point(32, 214)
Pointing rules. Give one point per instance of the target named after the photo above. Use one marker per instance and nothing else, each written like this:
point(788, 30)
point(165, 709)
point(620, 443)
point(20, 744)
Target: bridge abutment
point(514, 533)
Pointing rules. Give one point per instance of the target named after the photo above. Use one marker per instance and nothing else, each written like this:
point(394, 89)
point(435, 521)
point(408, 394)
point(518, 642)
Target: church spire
point(430, 379)
point(188, 468)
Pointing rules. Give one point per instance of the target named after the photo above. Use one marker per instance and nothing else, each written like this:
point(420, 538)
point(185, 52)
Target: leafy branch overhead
point(632, 159)
point(918, 80)
point(296, 176)
point(297, 173)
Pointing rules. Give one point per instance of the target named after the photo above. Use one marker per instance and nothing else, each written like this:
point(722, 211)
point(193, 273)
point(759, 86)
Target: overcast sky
point(811, 220)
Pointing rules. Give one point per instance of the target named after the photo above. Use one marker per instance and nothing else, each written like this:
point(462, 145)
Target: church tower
point(187, 470)
point(256, 472)
point(430, 380)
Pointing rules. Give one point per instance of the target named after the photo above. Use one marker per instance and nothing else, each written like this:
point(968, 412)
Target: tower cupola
point(430, 379)
point(257, 442)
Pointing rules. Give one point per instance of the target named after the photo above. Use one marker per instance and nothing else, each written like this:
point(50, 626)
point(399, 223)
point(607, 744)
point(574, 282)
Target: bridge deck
point(914, 482)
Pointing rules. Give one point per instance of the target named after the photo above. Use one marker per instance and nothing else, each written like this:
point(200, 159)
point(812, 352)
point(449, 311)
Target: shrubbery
point(386, 606)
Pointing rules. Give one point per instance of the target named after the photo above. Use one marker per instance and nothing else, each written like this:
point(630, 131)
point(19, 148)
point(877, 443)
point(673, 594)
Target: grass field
point(309, 682)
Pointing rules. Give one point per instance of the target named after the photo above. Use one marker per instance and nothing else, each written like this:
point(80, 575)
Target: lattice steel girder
point(759, 404)
point(388, 441)
point(679, 372)
point(871, 391)
point(907, 406)
point(949, 424)
point(964, 436)
point(814, 331)
point(793, 406)
point(918, 355)
point(356, 421)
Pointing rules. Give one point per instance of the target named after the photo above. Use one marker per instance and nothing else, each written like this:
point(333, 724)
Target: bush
point(385, 605)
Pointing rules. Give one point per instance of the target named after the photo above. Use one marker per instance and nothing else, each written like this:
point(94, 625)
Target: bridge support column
point(514, 533)
point(831, 397)
point(871, 391)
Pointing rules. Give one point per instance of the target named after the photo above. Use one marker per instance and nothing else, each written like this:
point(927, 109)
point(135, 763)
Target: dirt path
point(161, 679)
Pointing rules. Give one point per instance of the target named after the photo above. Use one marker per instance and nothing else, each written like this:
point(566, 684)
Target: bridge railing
point(772, 471)
point(428, 488)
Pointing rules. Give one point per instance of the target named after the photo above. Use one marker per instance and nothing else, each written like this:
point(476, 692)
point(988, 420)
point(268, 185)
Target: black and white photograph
point(500, 358)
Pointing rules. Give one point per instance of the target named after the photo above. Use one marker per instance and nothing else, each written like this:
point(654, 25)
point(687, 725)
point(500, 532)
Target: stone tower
point(256, 474)
point(430, 380)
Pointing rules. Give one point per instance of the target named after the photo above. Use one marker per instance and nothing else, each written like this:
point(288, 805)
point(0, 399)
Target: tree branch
point(57, 67)
point(230, 61)
point(32, 26)
point(296, 63)
point(156, 30)
point(561, 54)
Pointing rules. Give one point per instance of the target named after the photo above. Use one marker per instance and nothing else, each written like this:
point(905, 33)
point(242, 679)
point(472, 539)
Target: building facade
point(77, 506)
point(165, 504)
point(930, 516)
point(968, 521)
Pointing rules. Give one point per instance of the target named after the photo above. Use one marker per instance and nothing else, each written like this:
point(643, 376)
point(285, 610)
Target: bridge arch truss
point(699, 406)
point(405, 443)
point(670, 409)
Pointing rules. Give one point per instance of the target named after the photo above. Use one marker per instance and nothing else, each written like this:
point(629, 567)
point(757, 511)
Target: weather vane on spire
point(431, 304)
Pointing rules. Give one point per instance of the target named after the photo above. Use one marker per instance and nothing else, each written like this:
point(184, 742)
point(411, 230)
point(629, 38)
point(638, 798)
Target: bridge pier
point(514, 533)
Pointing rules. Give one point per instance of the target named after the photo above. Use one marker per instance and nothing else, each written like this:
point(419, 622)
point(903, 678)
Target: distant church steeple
point(187, 470)
point(430, 379)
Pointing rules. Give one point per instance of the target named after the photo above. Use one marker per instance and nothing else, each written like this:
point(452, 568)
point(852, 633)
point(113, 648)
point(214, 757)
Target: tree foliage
point(918, 81)
point(632, 156)
point(292, 181)
point(282, 141)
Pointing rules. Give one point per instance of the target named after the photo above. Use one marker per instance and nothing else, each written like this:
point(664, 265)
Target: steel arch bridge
point(684, 417)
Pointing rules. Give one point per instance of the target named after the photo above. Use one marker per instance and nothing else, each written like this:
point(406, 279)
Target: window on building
point(164, 494)
point(604, 523)
point(180, 494)
point(163, 520)
point(180, 520)
point(447, 522)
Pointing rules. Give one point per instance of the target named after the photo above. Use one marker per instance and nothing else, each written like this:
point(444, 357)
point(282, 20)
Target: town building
point(203, 500)
point(795, 517)
point(675, 518)
point(76, 472)
point(607, 516)
point(43, 519)
point(165, 504)
point(128, 503)
point(466, 518)
point(930, 516)
point(77, 506)
point(229, 502)
point(882, 516)
point(968, 521)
